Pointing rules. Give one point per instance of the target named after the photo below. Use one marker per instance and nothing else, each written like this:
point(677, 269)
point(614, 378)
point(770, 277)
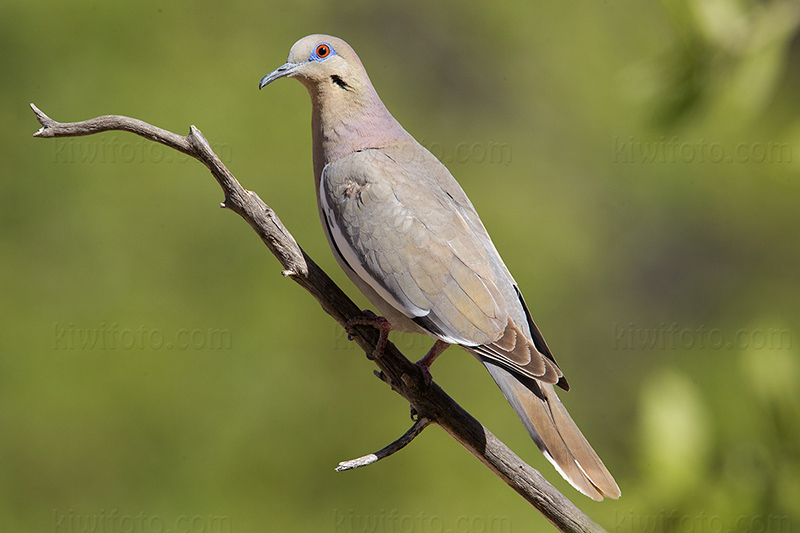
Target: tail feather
point(554, 432)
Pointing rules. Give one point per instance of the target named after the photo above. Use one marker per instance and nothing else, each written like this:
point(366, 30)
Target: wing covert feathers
point(513, 350)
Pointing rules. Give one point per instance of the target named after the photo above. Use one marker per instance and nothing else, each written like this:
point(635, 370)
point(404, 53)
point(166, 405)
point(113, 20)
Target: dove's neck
point(344, 121)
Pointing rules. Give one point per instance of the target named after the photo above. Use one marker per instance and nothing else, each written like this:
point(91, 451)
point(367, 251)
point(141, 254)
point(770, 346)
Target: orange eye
point(323, 51)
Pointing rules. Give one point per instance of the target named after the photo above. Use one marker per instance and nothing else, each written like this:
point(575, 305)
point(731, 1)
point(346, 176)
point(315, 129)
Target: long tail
point(553, 430)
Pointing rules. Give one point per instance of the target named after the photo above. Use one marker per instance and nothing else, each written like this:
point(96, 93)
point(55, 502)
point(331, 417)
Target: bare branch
point(51, 128)
point(404, 377)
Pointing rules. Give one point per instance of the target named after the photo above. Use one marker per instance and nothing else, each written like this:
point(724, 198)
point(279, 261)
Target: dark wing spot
point(340, 82)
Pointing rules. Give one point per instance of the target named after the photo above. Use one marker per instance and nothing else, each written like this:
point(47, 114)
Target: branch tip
point(357, 463)
point(43, 119)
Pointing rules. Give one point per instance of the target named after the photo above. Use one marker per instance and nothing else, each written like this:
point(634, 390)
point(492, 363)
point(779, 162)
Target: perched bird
point(409, 238)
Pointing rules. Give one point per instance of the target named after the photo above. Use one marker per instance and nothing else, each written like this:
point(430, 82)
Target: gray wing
point(404, 238)
point(403, 224)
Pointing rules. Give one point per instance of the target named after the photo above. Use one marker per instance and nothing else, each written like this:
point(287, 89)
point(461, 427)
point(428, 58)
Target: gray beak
point(284, 70)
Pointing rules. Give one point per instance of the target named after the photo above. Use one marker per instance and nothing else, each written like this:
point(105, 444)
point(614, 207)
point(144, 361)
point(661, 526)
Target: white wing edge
point(349, 256)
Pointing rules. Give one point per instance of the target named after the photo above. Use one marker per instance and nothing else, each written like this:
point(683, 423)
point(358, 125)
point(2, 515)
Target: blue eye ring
point(322, 51)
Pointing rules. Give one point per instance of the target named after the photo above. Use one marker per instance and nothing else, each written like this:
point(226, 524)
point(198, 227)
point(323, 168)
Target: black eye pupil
point(322, 51)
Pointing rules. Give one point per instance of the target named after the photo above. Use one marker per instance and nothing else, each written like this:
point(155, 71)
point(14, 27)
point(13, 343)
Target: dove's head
point(347, 114)
point(323, 64)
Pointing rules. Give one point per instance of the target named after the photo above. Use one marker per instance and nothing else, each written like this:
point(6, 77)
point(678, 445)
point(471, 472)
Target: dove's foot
point(425, 363)
point(378, 322)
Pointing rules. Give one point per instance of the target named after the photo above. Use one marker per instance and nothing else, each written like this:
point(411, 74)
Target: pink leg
point(378, 322)
point(425, 363)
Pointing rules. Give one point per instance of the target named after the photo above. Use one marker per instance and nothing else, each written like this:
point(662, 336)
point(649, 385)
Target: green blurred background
point(638, 165)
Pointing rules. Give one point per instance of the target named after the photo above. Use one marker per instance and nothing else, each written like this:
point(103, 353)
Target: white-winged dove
point(408, 237)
